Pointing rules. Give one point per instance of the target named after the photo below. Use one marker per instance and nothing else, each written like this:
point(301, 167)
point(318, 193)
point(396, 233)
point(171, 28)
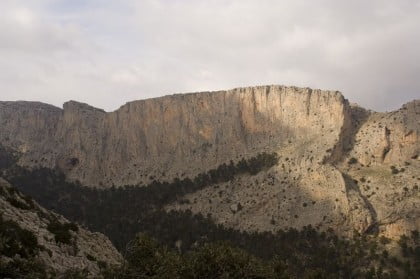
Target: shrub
point(19, 268)
point(352, 161)
point(75, 273)
point(147, 259)
point(90, 258)
point(18, 204)
point(102, 264)
point(62, 231)
point(221, 260)
point(27, 205)
point(394, 170)
point(15, 240)
point(415, 236)
point(384, 240)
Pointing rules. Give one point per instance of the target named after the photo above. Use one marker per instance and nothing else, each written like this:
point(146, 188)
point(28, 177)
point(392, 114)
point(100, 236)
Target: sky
point(107, 53)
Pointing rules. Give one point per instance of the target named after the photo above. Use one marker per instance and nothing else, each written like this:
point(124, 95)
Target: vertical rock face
point(384, 149)
point(335, 158)
point(388, 137)
point(173, 136)
point(30, 128)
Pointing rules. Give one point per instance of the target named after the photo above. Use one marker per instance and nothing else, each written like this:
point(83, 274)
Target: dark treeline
point(301, 252)
point(358, 258)
point(7, 157)
point(286, 254)
point(121, 212)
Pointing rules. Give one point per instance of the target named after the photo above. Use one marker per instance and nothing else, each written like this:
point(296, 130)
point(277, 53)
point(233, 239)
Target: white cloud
point(109, 52)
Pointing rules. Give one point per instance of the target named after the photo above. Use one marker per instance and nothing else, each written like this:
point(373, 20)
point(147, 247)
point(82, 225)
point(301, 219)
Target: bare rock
point(341, 166)
point(84, 250)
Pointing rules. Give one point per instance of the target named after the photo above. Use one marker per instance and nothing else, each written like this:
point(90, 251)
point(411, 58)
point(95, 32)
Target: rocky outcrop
point(388, 138)
point(335, 158)
point(60, 245)
point(368, 182)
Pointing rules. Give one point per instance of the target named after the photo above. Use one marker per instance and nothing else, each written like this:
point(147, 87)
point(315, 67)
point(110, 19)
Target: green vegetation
point(352, 161)
point(394, 170)
point(75, 274)
point(26, 204)
point(62, 231)
point(189, 246)
point(21, 246)
point(121, 212)
point(147, 259)
point(358, 258)
point(17, 241)
point(7, 157)
point(90, 258)
point(18, 269)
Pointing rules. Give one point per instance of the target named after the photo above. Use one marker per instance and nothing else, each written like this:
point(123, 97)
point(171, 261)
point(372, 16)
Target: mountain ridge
point(156, 108)
point(336, 169)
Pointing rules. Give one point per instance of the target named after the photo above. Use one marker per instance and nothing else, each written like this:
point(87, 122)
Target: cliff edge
point(340, 166)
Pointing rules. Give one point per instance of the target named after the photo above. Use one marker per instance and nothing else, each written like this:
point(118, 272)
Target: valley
point(282, 173)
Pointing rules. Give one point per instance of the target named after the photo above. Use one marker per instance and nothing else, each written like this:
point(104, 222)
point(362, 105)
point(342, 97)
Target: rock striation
point(335, 158)
point(167, 137)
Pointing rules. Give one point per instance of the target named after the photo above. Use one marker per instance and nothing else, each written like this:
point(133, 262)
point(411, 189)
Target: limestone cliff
point(179, 135)
point(335, 158)
point(369, 182)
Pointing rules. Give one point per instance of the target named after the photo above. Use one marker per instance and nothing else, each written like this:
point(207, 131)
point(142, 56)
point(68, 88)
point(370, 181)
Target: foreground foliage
point(146, 258)
point(20, 247)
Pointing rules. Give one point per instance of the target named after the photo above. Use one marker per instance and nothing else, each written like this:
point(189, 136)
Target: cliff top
point(80, 106)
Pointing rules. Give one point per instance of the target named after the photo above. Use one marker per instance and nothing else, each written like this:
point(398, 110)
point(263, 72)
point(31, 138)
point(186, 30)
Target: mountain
point(35, 239)
point(168, 137)
point(337, 166)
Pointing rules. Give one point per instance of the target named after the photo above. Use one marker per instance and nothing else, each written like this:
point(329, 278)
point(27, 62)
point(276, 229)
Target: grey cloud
point(109, 52)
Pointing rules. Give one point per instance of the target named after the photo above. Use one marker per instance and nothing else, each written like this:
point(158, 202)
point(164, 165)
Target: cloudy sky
point(107, 52)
